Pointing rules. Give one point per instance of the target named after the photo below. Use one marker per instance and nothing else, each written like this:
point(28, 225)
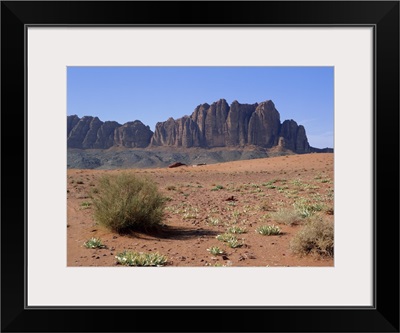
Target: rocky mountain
point(209, 126)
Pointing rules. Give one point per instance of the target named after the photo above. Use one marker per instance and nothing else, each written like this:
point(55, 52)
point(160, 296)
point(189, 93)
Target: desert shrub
point(126, 202)
point(286, 216)
point(316, 237)
point(129, 258)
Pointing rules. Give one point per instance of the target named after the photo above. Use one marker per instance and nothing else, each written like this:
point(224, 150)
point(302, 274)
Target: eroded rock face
point(209, 126)
point(294, 137)
point(91, 133)
point(264, 126)
point(133, 134)
point(105, 135)
point(77, 137)
point(236, 126)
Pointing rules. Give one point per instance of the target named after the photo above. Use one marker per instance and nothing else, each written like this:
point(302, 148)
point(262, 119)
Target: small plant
point(126, 202)
point(235, 214)
point(85, 205)
point(217, 188)
point(268, 230)
point(224, 237)
point(327, 180)
point(230, 240)
point(236, 230)
point(213, 221)
point(94, 243)
point(215, 250)
point(171, 188)
point(307, 209)
point(129, 258)
point(233, 242)
point(316, 237)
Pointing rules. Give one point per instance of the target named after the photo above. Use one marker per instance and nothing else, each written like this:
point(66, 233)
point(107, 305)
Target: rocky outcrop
point(133, 134)
point(264, 126)
point(238, 125)
point(209, 126)
point(91, 133)
point(105, 135)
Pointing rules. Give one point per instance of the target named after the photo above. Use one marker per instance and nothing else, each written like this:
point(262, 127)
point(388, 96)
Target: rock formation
point(209, 126)
point(238, 125)
point(91, 133)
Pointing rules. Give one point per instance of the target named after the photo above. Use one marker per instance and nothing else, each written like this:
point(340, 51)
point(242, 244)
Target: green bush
point(127, 202)
point(316, 237)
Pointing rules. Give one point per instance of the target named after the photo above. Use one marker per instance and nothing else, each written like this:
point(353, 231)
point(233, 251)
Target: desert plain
point(205, 201)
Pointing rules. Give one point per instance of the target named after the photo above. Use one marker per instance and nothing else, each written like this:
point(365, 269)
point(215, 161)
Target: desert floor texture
point(204, 201)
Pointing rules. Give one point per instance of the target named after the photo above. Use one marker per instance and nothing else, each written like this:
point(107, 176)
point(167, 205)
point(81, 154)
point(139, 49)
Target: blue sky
point(153, 94)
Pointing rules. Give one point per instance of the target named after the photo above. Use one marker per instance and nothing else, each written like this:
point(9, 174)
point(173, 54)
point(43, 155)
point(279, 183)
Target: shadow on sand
point(172, 233)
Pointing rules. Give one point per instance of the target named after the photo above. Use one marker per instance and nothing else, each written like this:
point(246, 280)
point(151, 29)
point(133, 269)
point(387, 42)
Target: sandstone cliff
point(238, 125)
point(91, 133)
point(209, 126)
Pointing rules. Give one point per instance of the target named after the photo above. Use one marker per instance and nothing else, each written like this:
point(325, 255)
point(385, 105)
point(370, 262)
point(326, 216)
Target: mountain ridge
point(215, 125)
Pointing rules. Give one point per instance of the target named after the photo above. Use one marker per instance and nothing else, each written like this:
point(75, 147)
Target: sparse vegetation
point(230, 240)
point(86, 205)
point(224, 237)
point(126, 202)
point(286, 216)
point(233, 242)
point(215, 250)
point(316, 237)
point(129, 258)
point(306, 208)
point(236, 230)
point(217, 188)
point(268, 230)
point(94, 243)
point(240, 202)
point(213, 221)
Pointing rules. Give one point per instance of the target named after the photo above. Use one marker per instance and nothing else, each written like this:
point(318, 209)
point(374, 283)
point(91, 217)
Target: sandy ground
point(201, 207)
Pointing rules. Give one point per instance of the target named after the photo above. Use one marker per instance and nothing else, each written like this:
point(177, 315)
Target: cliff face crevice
point(209, 126)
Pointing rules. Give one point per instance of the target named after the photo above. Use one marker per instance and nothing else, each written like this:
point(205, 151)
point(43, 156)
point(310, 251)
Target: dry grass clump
point(286, 216)
point(316, 237)
point(127, 202)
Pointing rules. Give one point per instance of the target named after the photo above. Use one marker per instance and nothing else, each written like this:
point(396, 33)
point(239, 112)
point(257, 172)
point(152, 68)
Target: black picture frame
point(383, 316)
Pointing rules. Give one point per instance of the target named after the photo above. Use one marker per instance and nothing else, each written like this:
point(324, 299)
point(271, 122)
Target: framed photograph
point(246, 153)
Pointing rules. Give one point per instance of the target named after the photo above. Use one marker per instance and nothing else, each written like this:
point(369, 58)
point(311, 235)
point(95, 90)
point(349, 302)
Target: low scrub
point(316, 237)
point(126, 202)
point(286, 216)
point(129, 258)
